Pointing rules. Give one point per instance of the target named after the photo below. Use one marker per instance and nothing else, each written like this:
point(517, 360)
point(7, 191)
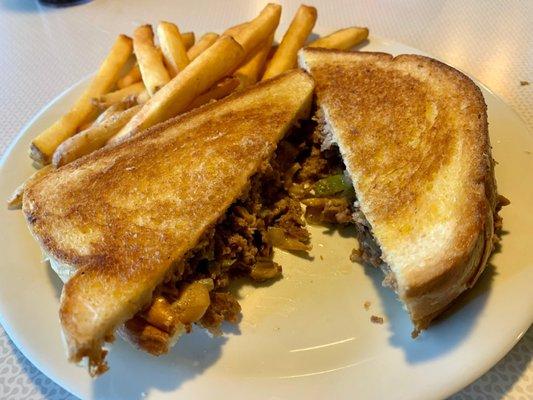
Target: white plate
point(308, 334)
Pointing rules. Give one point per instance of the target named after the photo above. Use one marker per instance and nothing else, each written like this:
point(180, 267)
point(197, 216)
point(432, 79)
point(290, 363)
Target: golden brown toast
point(124, 217)
point(413, 135)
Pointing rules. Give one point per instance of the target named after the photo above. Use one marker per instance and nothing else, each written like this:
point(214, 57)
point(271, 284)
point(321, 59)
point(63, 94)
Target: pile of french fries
point(143, 82)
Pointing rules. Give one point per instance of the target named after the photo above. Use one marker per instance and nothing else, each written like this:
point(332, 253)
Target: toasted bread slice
point(123, 218)
point(413, 136)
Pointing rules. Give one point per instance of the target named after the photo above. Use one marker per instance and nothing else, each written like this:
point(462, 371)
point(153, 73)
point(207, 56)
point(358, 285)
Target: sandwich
point(147, 234)
point(401, 150)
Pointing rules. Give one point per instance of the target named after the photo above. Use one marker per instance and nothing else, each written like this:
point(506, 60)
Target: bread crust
point(413, 134)
point(124, 217)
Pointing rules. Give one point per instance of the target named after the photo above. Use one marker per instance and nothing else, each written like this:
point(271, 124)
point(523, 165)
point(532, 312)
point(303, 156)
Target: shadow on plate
point(345, 231)
point(192, 356)
point(54, 279)
point(133, 374)
point(360, 46)
point(447, 331)
point(312, 37)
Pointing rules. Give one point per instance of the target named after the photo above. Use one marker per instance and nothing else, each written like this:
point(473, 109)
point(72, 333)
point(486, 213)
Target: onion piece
point(279, 238)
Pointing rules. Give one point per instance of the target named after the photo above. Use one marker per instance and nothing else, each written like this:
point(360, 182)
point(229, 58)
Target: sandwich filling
point(307, 168)
point(240, 244)
point(323, 185)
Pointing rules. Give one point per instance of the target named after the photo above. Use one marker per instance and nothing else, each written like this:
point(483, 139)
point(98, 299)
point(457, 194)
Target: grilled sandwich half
point(148, 233)
point(410, 134)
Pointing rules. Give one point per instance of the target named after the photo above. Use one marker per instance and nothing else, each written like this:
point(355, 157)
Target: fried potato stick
point(285, 58)
point(44, 145)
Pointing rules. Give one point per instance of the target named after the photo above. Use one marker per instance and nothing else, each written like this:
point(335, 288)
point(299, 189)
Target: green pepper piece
point(331, 185)
point(228, 262)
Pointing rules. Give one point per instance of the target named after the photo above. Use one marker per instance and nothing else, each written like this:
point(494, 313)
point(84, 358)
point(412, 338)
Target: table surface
point(45, 50)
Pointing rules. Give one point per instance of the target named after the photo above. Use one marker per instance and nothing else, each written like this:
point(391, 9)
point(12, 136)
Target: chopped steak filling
point(240, 244)
point(323, 185)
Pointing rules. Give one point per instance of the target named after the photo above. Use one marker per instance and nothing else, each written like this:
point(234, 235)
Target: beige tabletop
point(45, 50)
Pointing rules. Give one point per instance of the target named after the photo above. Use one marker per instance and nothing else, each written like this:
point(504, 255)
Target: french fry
point(84, 126)
point(153, 71)
point(174, 51)
point(218, 91)
point(108, 112)
point(92, 139)
point(249, 72)
point(272, 51)
point(188, 39)
point(203, 44)
point(216, 62)
point(253, 33)
point(143, 97)
point(14, 201)
point(285, 57)
point(160, 53)
point(112, 110)
point(44, 145)
point(107, 100)
point(343, 39)
point(235, 29)
point(131, 77)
